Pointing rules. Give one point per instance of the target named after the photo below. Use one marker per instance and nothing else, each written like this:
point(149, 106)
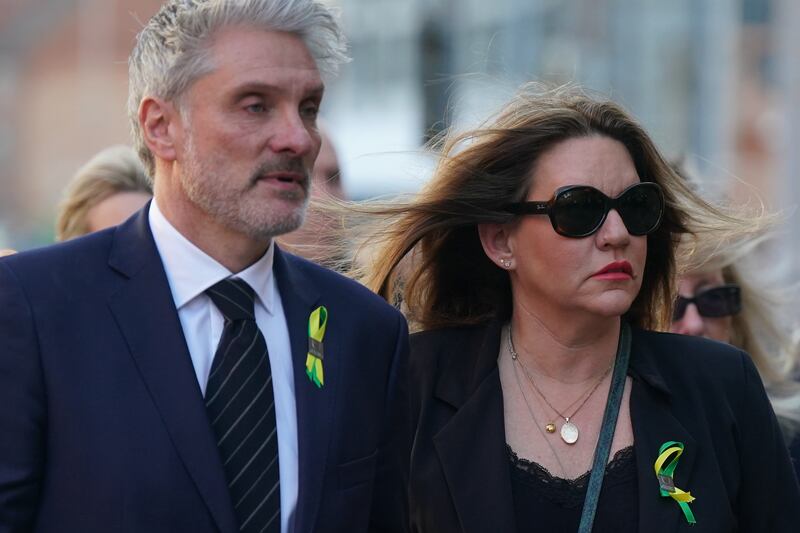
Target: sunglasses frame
point(682, 302)
point(547, 208)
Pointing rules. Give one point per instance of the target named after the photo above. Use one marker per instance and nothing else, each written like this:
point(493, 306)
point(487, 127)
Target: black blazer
point(705, 394)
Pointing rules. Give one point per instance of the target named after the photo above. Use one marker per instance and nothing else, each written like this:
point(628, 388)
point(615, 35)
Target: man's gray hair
point(171, 52)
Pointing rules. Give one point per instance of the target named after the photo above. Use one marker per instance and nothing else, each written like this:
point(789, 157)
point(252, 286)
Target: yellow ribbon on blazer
point(665, 477)
point(316, 332)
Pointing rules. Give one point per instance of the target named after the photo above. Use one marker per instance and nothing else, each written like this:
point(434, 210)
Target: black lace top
point(543, 502)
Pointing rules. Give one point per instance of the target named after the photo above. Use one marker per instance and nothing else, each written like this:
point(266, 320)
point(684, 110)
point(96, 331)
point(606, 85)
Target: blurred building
point(423, 65)
point(63, 88)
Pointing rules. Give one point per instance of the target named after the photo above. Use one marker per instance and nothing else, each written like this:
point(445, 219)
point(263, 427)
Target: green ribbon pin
point(665, 477)
point(316, 331)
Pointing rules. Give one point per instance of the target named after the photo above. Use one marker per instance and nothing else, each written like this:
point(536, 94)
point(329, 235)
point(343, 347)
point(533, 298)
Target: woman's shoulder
point(459, 339)
point(681, 360)
point(452, 346)
point(444, 336)
point(684, 345)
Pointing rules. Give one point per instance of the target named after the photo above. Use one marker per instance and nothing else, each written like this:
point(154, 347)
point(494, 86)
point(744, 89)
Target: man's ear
point(495, 242)
point(160, 122)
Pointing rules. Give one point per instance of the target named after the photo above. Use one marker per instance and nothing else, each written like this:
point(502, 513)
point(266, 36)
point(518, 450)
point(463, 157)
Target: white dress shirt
point(190, 271)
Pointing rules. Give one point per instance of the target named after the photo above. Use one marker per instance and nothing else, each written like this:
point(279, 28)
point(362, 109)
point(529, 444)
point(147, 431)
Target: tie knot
point(234, 298)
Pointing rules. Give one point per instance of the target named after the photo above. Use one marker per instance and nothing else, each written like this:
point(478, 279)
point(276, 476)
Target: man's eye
point(310, 111)
point(256, 108)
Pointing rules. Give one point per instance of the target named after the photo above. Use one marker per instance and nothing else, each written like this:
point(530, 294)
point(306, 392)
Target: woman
point(543, 252)
point(720, 299)
point(103, 193)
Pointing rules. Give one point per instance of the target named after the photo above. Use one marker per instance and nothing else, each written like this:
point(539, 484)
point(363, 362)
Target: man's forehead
point(263, 60)
point(260, 47)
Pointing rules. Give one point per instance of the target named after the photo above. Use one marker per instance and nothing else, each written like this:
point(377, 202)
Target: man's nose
point(293, 135)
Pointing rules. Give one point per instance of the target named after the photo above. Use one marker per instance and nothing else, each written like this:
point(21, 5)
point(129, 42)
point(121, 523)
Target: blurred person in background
point(542, 397)
point(720, 298)
point(319, 239)
point(327, 174)
point(107, 190)
point(180, 372)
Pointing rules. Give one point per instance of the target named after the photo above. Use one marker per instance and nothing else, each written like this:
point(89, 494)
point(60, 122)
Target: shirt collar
point(190, 271)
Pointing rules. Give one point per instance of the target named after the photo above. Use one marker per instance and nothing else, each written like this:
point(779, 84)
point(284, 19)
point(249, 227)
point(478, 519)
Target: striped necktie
point(241, 408)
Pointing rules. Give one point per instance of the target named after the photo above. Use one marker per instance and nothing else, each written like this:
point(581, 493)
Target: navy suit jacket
point(102, 423)
point(702, 393)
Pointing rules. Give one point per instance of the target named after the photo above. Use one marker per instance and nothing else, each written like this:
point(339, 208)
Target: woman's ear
point(494, 239)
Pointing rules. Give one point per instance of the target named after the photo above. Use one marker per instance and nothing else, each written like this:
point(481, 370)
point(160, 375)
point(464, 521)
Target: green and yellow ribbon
point(316, 331)
point(672, 449)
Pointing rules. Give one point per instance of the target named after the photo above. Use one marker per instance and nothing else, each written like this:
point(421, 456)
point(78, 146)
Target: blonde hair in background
point(115, 169)
point(449, 281)
point(757, 328)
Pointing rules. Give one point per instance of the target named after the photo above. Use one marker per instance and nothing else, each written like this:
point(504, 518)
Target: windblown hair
point(171, 52)
point(429, 255)
point(758, 328)
point(113, 170)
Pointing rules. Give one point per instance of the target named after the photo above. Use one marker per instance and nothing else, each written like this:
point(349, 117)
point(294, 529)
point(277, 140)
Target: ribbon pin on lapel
point(316, 331)
point(665, 477)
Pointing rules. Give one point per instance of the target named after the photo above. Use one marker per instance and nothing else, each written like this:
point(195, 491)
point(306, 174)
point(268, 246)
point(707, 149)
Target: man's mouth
point(283, 180)
point(285, 177)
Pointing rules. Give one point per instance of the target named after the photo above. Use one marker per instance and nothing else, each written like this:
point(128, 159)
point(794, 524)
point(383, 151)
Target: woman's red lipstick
point(618, 270)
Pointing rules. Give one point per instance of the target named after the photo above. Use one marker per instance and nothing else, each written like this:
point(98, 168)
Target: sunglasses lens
point(641, 208)
point(719, 301)
point(578, 212)
point(725, 300)
point(680, 308)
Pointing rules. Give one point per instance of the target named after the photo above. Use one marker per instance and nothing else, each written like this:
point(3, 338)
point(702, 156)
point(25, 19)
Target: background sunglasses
point(723, 300)
point(579, 210)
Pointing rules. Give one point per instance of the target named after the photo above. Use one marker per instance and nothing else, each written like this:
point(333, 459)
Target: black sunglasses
point(722, 300)
point(579, 210)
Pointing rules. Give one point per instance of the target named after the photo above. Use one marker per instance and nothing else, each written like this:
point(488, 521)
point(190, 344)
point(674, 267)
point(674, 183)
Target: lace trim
point(569, 492)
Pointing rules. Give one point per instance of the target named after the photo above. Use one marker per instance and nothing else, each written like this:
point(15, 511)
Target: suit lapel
point(471, 446)
point(146, 315)
point(653, 425)
point(300, 297)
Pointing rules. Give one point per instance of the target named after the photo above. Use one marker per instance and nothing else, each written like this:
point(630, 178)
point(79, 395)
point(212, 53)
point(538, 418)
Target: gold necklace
point(536, 423)
point(569, 431)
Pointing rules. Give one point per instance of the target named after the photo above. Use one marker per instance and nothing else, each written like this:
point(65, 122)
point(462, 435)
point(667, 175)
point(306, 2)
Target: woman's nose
point(613, 232)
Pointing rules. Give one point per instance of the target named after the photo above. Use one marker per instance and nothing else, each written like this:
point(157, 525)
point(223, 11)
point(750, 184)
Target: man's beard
point(239, 210)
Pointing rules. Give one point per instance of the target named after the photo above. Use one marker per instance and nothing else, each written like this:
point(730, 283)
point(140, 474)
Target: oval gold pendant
point(550, 428)
point(569, 433)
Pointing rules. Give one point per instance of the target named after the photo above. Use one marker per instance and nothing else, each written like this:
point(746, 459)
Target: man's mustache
point(282, 164)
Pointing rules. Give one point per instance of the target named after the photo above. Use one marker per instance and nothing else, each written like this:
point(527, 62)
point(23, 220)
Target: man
point(179, 373)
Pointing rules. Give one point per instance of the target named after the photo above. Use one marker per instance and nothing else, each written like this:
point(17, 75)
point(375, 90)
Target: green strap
point(607, 430)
